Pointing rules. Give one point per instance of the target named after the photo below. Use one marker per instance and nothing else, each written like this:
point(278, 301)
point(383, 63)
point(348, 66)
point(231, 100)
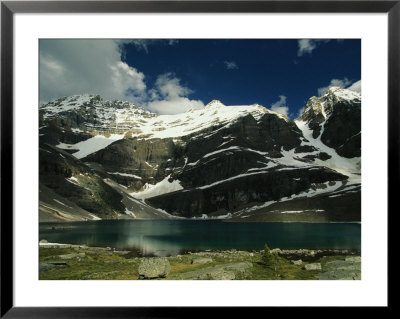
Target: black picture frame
point(9, 8)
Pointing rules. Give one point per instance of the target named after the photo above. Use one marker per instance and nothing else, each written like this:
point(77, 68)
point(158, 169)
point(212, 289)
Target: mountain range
point(103, 159)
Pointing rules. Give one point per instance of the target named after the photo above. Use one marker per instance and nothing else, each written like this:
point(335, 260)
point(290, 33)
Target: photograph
point(199, 159)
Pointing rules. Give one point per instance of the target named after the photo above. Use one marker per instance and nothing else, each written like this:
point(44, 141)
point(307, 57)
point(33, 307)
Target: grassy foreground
point(89, 263)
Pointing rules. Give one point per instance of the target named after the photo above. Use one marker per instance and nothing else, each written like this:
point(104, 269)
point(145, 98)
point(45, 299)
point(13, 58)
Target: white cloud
point(174, 106)
point(280, 106)
point(69, 67)
point(169, 96)
point(169, 86)
point(306, 46)
point(143, 44)
point(356, 86)
point(231, 65)
point(344, 83)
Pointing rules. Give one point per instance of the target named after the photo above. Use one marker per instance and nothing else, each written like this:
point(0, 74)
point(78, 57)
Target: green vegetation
point(269, 259)
point(85, 263)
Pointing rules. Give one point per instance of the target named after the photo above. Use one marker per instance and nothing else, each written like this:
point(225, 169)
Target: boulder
point(354, 259)
point(222, 275)
point(296, 262)
point(276, 251)
point(154, 268)
point(219, 272)
point(315, 266)
point(204, 260)
point(67, 256)
point(241, 266)
point(348, 269)
point(45, 266)
point(43, 241)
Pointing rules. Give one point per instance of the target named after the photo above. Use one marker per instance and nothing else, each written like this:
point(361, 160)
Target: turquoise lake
point(172, 237)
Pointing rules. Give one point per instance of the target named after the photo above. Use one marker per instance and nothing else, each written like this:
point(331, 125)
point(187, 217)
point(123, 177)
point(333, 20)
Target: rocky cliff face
point(335, 118)
point(219, 161)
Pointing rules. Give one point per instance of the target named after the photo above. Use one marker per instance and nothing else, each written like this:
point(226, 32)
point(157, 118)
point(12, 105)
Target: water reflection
point(166, 237)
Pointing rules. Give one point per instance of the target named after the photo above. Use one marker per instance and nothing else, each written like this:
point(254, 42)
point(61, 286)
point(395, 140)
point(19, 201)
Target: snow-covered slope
point(123, 118)
point(92, 112)
point(216, 160)
point(348, 166)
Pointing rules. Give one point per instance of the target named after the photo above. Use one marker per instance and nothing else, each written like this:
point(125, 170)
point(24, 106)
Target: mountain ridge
point(215, 161)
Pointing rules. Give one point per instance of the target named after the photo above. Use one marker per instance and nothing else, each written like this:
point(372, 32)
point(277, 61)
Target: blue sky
point(171, 76)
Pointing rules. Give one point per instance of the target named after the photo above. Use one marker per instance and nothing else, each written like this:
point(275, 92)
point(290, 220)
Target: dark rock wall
point(238, 192)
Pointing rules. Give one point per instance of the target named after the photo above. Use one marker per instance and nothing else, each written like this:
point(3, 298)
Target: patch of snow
point(94, 217)
point(227, 216)
point(223, 150)
point(73, 180)
point(345, 166)
point(169, 215)
point(234, 148)
point(230, 179)
point(302, 211)
point(57, 201)
point(193, 164)
point(124, 174)
point(130, 213)
point(94, 144)
point(160, 188)
point(149, 165)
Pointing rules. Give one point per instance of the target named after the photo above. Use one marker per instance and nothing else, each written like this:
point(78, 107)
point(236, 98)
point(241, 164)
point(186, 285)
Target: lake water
point(172, 237)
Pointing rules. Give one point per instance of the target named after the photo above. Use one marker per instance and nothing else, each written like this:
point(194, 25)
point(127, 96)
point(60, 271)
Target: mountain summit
point(113, 159)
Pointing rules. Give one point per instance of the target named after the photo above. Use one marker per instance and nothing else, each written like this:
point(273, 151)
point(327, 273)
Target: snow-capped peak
point(109, 121)
point(215, 104)
point(324, 105)
point(341, 93)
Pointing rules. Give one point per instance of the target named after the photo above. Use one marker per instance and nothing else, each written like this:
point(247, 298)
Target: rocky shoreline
point(61, 261)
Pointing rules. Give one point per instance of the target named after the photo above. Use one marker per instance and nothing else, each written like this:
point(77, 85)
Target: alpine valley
point(103, 159)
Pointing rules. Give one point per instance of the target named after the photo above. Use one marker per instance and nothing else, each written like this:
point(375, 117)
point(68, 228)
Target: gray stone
point(296, 262)
point(154, 268)
point(222, 275)
point(219, 272)
point(241, 266)
point(348, 269)
point(43, 241)
point(67, 256)
point(204, 260)
point(276, 251)
point(355, 259)
point(45, 266)
point(315, 266)
point(51, 264)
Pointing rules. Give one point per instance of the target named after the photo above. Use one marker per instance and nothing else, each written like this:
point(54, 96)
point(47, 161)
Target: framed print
point(159, 155)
